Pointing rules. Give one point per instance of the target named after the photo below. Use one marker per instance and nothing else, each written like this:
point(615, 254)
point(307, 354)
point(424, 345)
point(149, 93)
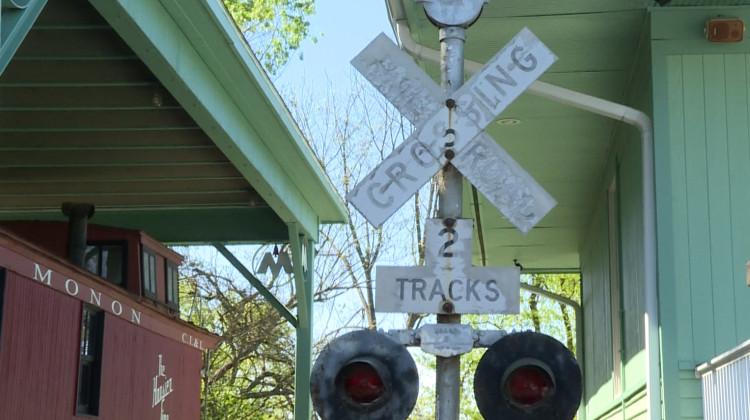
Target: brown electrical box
point(724, 30)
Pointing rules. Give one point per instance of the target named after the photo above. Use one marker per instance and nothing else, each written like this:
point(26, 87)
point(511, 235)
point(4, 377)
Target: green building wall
point(602, 400)
point(702, 154)
point(699, 102)
point(624, 166)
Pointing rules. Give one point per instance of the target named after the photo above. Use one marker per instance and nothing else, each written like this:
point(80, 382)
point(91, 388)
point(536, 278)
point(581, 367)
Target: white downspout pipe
point(643, 123)
point(612, 110)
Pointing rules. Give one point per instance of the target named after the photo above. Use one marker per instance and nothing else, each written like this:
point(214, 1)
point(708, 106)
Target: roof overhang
point(158, 113)
point(565, 149)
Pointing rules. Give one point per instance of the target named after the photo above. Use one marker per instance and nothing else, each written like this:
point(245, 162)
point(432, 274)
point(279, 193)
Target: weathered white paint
point(503, 78)
point(448, 247)
point(399, 176)
point(478, 290)
point(489, 91)
point(508, 187)
point(504, 183)
point(447, 277)
point(446, 340)
point(400, 80)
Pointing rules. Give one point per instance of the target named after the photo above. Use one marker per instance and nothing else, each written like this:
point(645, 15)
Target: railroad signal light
point(360, 381)
point(528, 376)
point(528, 385)
point(364, 375)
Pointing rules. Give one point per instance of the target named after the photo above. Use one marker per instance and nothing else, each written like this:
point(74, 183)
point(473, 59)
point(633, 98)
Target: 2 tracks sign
point(447, 278)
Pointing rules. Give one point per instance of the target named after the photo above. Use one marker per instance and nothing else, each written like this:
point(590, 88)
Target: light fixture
point(508, 121)
point(157, 100)
point(724, 29)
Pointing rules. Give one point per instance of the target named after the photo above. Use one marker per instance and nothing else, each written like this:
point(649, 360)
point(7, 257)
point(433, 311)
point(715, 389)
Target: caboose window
point(106, 260)
point(173, 291)
point(90, 361)
point(149, 273)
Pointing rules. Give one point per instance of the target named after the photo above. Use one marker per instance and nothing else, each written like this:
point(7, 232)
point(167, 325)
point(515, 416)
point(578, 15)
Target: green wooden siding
point(631, 237)
point(691, 393)
point(631, 257)
point(598, 369)
point(738, 143)
point(633, 408)
point(630, 187)
point(624, 162)
point(596, 308)
point(707, 183)
point(702, 150)
point(636, 407)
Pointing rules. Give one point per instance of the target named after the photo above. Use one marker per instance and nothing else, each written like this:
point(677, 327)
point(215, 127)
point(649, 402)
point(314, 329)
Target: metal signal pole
point(452, 21)
point(448, 369)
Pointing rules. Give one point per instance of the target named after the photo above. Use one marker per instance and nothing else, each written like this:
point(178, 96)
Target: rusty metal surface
point(528, 348)
point(447, 340)
point(400, 379)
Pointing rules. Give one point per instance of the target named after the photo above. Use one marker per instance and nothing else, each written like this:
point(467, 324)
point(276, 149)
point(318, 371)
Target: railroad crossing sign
point(451, 129)
point(447, 278)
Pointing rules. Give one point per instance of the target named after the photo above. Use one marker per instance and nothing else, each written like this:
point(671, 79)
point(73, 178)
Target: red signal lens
point(528, 385)
point(361, 382)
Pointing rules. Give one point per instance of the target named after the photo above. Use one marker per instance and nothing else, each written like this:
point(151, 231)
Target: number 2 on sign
point(445, 250)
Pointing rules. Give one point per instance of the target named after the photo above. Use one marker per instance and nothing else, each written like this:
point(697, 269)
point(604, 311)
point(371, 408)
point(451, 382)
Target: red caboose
point(98, 337)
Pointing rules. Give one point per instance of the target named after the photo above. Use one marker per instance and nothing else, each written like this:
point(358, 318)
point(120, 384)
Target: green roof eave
point(16, 19)
point(196, 51)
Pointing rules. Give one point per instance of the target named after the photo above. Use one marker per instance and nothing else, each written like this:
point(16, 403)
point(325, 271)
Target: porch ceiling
point(83, 118)
point(563, 148)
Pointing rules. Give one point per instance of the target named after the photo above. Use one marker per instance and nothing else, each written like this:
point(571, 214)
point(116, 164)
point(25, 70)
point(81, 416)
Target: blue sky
point(343, 28)
point(347, 26)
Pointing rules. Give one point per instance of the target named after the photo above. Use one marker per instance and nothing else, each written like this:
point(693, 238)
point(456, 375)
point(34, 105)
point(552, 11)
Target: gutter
point(613, 110)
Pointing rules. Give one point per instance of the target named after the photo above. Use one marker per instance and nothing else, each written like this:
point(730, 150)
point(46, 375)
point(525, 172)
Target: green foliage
point(542, 314)
point(251, 374)
point(425, 409)
point(538, 313)
point(274, 28)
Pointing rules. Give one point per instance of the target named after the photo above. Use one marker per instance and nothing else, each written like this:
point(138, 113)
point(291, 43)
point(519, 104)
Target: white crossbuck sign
point(457, 126)
point(448, 277)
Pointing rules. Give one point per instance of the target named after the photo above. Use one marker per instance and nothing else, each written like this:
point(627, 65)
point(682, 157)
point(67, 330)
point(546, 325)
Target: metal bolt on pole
point(448, 369)
point(452, 21)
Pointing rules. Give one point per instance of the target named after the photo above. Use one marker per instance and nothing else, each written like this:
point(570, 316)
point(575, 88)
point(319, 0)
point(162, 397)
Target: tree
point(251, 374)
point(545, 315)
point(273, 28)
point(350, 134)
